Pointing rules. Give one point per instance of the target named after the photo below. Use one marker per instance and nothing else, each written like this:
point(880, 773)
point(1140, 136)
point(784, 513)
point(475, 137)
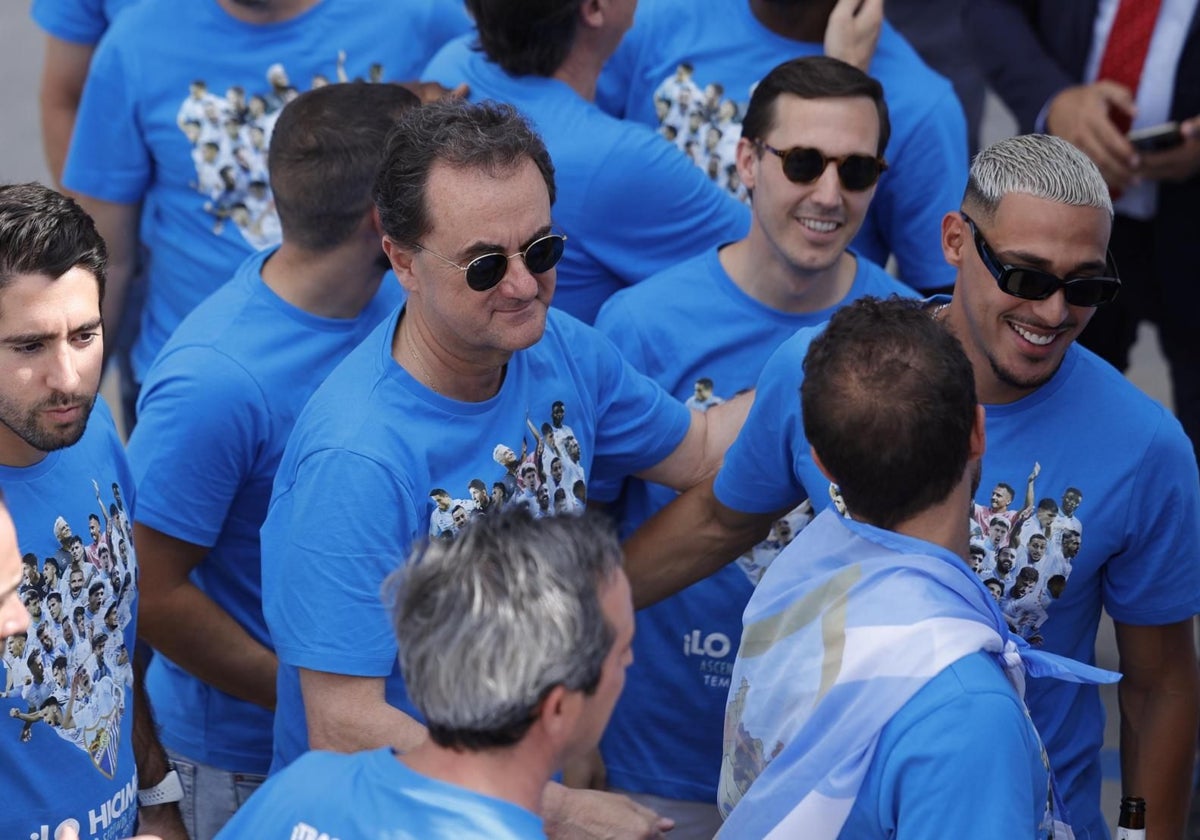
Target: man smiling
point(1029, 246)
point(447, 390)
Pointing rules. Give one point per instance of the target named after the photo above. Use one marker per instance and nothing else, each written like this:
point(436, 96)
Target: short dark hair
point(325, 150)
point(532, 42)
point(488, 136)
point(813, 77)
point(889, 406)
point(46, 233)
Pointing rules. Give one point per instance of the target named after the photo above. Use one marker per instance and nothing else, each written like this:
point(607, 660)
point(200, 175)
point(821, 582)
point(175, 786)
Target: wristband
point(167, 791)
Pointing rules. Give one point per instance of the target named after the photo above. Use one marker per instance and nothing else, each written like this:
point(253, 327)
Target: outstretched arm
point(687, 541)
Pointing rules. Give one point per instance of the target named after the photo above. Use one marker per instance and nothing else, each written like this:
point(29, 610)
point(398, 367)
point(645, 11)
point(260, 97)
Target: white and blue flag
point(847, 625)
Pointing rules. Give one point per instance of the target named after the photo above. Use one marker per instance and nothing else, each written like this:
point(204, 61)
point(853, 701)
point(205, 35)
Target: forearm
point(699, 455)
point(1159, 697)
point(687, 541)
point(1158, 751)
point(230, 659)
point(148, 753)
point(349, 714)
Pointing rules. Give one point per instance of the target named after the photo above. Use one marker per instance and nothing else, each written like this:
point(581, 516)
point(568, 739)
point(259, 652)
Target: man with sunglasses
point(633, 203)
point(1031, 260)
point(450, 389)
point(733, 44)
point(810, 155)
point(229, 383)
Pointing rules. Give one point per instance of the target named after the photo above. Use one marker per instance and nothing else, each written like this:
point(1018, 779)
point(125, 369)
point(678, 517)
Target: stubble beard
point(27, 427)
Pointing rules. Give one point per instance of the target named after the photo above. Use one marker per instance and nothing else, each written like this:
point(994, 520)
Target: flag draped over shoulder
point(847, 625)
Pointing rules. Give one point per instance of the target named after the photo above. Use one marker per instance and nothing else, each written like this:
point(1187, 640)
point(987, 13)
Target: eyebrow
point(480, 249)
point(34, 338)
point(1043, 264)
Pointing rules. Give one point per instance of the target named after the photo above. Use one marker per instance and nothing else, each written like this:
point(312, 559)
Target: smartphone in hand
point(1156, 138)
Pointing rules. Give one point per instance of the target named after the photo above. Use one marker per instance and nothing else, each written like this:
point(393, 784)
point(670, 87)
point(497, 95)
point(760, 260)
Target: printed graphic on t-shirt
point(70, 675)
point(1023, 555)
point(230, 135)
point(547, 477)
point(704, 124)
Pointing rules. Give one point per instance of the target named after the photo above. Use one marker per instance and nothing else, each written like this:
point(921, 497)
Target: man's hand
point(164, 821)
point(853, 31)
point(1080, 115)
point(596, 815)
point(433, 92)
point(1176, 164)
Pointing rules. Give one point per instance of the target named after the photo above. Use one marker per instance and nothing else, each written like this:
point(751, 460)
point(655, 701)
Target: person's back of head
point(324, 154)
point(530, 38)
point(889, 407)
point(490, 622)
point(46, 233)
point(1039, 165)
point(812, 77)
point(488, 137)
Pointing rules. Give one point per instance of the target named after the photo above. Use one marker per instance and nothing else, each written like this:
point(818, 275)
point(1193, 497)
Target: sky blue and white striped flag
point(846, 626)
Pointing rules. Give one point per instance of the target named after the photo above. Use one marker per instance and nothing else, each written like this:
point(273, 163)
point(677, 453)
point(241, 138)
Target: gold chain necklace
point(412, 348)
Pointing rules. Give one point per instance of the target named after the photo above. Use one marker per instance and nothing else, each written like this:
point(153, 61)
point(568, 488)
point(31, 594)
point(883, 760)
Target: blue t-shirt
point(77, 21)
point(964, 733)
point(630, 205)
point(214, 414)
point(687, 323)
point(1090, 430)
point(373, 796)
point(357, 486)
point(868, 682)
point(78, 766)
point(730, 51)
point(178, 111)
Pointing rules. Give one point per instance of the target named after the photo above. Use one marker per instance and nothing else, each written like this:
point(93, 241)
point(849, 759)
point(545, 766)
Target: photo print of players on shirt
point(230, 135)
point(547, 478)
point(755, 562)
point(704, 124)
point(71, 674)
point(1023, 555)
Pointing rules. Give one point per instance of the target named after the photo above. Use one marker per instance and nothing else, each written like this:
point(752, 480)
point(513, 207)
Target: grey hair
point(488, 622)
point(1039, 165)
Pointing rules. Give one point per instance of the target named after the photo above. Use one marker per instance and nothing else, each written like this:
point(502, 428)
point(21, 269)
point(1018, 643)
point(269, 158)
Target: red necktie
point(1128, 42)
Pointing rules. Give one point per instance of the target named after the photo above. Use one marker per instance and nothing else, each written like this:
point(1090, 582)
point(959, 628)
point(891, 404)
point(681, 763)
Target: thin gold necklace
point(412, 348)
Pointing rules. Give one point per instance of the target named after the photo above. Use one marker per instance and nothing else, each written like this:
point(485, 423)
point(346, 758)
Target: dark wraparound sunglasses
point(803, 165)
point(485, 271)
point(1031, 284)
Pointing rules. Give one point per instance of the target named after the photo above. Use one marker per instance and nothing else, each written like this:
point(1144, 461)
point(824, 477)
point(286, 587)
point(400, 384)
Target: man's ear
point(558, 713)
point(956, 236)
point(591, 12)
point(978, 434)
point(747, 156)
point(401, 259)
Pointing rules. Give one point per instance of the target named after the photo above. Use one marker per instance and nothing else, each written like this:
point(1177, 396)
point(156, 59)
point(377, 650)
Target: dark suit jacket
point(1031, 50)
